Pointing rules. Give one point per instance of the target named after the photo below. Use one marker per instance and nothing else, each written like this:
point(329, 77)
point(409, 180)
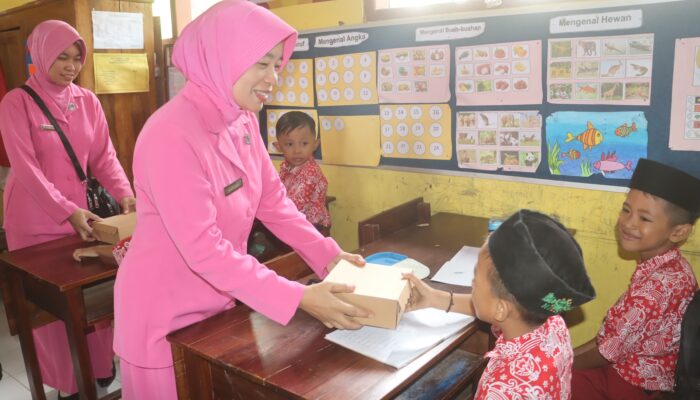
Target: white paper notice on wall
point(117, 30)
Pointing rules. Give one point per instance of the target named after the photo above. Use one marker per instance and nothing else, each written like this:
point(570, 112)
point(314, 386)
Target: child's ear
point(680, 233)
point(503, 309)
point(277, 146)
point(318, 142)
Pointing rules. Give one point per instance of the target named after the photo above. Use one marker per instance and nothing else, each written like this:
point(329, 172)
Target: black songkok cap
point(670, 184)
point(540, 263)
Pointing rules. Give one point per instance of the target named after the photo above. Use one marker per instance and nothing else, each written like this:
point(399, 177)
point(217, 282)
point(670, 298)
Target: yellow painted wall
point(362, 192)
point(7, 4)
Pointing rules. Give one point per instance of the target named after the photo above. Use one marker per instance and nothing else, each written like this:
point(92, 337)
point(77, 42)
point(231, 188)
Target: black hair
point(293, 120)
point(498, 289)
point(679, 215)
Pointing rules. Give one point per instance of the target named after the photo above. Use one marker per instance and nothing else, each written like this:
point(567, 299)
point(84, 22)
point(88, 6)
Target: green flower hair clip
point(551, 303)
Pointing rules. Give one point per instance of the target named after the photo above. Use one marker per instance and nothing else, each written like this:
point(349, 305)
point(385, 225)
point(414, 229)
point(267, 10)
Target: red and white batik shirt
point(534, 366)
point(641, 332)
point(306, 187)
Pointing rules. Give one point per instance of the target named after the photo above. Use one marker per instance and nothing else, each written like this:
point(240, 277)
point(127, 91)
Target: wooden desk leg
point(75, 329)
point(26, 339)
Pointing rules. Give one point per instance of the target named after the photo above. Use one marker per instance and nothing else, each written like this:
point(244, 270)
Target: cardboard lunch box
point(113, 229)
point(378, 289)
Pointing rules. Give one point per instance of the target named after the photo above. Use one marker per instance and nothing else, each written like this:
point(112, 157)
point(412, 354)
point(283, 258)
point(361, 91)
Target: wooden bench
point(411, 213)
point(264, 245)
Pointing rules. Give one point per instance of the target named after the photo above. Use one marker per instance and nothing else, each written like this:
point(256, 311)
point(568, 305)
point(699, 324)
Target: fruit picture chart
point(414, 75)
point(350, 140)
point(421, 131)
point(273, 116)
point(684, 133)
point(347, 79)
point(295, 85)
point(504, 73)
point(491, 140)
point(600, 70)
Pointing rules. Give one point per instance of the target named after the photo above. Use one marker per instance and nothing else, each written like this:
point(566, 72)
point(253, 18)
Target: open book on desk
point(460, 269)
point(418, 332)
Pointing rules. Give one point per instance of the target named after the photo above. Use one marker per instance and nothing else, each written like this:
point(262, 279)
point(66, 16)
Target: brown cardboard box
point(378, 289)
point(113, 229)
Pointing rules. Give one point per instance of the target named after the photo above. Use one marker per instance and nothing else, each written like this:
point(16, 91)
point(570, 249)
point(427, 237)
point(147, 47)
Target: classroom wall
point(362, 192)
point(7, 4)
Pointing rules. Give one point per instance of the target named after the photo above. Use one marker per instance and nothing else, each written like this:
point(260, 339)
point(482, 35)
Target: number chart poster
point(685, 102)
point(588, 143)
point(272, 117)
point(506, 140)
point(504, 73)
point(350, 140)
point(345, 80)
point(420, 131)
point(414, 75)
point(294, 88)
point(600, 70)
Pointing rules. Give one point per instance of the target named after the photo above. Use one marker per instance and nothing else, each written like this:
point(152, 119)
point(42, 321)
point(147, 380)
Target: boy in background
point(634, 355)
point(306, 186)
point(528, 271)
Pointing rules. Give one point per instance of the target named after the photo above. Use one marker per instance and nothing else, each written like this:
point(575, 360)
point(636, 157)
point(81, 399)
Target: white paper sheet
point(117, 30)
point(418, 332)
point(460, 269)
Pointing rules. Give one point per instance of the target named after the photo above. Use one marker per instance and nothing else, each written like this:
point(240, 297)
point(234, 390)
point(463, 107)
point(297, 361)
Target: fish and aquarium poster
point(347, 79)
point(600, 70)
point(414, 75)
point(589, 143)
point(499, 140)
point(684, 132)
point(499, 74)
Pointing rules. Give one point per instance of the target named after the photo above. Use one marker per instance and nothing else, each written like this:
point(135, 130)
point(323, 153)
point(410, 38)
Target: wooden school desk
point(241, 354)
point(79, 293)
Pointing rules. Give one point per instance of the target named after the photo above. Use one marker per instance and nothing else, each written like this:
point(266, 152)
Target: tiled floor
point(14, 384)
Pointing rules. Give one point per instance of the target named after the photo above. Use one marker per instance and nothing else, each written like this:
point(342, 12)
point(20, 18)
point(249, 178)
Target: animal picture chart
point(272, 116)
point(295, 85)
point(600, 70)
point(685, 106)
point(504, 73)
point(421, 131)
point(490, 140)
point(346, 79)
point(414, 75)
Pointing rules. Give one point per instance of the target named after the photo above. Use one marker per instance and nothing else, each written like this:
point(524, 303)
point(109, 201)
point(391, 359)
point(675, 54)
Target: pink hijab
point(215, 49)
point(46, 42)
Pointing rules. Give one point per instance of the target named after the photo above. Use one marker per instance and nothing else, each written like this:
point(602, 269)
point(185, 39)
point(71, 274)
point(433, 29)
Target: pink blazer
point(187, 259)
point(43, 189)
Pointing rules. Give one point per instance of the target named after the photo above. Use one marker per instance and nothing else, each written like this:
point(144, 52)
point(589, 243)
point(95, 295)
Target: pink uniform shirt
point(202, 174)
point(43, 189)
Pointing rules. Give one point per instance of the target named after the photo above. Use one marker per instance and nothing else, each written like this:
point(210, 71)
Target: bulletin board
point(556, 96)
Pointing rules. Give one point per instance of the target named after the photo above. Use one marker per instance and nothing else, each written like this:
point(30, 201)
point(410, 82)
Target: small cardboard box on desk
point(113, 229)
point(378, 289)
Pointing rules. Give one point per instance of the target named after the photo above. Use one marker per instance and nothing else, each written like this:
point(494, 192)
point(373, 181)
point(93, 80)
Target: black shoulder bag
point(99, 201)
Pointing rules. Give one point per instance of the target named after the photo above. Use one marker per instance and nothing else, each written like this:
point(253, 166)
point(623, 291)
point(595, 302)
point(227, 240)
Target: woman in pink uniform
point(44, 198)
point(202, 174)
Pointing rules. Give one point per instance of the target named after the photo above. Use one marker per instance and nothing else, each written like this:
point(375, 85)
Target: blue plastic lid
point(385, 258)
point(494, 224)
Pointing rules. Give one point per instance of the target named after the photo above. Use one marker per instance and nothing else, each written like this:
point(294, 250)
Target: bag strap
point(64, 139)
